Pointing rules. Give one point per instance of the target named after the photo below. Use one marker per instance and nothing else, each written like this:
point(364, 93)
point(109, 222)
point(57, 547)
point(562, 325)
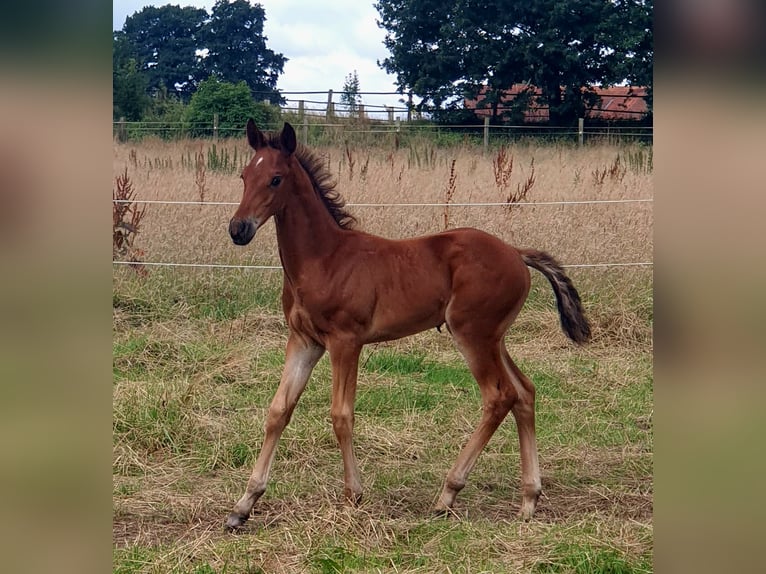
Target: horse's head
point(267, 179)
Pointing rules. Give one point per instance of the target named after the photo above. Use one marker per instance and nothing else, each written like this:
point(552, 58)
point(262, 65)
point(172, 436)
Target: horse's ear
point(287, 140)
point(255, 137)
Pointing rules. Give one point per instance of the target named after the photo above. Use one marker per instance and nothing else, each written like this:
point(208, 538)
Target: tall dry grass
point(575, 234)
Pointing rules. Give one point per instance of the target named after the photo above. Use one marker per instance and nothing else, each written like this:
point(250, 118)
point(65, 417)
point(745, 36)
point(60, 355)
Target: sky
point(323, 41)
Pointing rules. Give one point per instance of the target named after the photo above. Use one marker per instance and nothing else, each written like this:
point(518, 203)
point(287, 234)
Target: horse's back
point(474, 250)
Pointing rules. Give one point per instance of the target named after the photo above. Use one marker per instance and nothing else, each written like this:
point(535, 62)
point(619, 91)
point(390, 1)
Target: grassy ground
point(198, 355)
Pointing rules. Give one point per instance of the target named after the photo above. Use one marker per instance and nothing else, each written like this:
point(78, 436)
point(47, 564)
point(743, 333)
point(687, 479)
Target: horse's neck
point(306, 232)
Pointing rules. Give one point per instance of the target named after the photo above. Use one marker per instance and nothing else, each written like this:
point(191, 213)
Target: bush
point(234, 105)
point(165, 117)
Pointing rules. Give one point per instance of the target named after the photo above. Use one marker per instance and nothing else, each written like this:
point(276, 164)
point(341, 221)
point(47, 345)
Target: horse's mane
point(323, 183)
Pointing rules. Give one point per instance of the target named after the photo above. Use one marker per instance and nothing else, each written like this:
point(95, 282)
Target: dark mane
point(323, 183)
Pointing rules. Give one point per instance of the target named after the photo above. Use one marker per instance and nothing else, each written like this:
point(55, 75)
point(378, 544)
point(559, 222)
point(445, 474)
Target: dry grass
point(573, 233)
point(197, 356)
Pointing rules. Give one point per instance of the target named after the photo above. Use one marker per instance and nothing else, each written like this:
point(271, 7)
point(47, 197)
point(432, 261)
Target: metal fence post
point(215, 127)
point(580, 130)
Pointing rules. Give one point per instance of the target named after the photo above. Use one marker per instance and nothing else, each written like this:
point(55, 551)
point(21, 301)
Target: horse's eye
point(276, 180)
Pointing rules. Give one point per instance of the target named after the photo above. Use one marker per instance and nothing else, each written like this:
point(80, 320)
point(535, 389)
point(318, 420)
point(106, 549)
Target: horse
point(344, 288)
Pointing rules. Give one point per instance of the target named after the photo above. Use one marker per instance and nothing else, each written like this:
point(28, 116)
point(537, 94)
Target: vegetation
point(197, 355)
point(237, 50)
point(350, 97)
point(444, 51)
point(440, 52)
point(233, 105)
point(175, 48)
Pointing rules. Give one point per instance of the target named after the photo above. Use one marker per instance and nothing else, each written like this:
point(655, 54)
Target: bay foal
point(344, 288)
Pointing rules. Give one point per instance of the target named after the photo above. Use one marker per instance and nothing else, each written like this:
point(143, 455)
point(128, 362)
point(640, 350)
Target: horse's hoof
point(528, 506)
point(527, 511)
point(353, 499)
point(441, 513)
point(235, 521)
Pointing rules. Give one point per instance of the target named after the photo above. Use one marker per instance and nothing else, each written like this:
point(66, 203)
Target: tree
point(233, 104)
point(129, 92)
point(444, 51)
point(164, 42)
point(634, 55)
point(237, 48)
point(350, 96)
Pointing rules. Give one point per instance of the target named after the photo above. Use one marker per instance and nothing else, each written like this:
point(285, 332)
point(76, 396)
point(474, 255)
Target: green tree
point(444, 51)
point(165, 43)
point(233, 104)
point(634, 54)
point(233, 37)
point(129, 97)
point(350, 96)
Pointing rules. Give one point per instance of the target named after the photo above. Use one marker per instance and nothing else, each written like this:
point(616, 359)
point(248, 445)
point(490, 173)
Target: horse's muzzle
point(242, 230)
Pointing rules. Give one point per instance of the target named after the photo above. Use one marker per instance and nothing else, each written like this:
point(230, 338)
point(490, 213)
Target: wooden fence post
point(215, 127)
point(486, 133)
point(580, 130)
point(304, 122)
point(390, 111)
point(409, 107)
point(330, 106)
point(122, 132)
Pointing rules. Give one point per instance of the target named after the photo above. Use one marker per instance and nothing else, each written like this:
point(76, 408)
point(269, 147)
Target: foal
point(344, 288)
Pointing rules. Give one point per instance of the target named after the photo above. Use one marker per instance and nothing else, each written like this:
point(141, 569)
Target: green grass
point(578, 559)
point(196, 362)
point(199, 295)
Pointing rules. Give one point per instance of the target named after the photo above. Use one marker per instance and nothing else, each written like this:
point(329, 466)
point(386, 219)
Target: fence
point(318, 119)
point(315, 118)
point(597, 265)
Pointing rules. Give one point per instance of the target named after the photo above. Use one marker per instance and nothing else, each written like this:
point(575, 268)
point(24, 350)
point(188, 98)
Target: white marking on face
point(257, 163)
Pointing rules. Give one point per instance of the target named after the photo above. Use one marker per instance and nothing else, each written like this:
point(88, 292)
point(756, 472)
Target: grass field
point(198, 354)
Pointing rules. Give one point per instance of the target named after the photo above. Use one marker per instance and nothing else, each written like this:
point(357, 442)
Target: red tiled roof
point(616, 103)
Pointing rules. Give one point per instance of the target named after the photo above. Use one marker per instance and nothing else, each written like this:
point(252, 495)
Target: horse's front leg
point(344, 357)
point(300, 358)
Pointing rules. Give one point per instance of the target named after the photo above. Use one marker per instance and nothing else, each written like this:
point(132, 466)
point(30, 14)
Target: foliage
point(445, 51)
point(350, 96)
point(237, 48)
point(164, 41)
point(166, 114)
point(166, 52)
point(232, 103)
point(126, 222)
point(129, 92)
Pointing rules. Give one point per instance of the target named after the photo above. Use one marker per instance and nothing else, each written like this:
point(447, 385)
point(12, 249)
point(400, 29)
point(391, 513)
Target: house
point(616, 103)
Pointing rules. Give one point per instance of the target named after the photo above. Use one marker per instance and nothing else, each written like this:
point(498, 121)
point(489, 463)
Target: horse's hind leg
point(498, 397)
point(524, 413)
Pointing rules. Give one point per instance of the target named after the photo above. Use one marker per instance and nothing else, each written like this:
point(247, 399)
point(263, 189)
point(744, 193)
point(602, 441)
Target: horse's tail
point(573, 320)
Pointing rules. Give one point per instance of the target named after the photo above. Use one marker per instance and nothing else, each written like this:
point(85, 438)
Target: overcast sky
point(323, 41)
